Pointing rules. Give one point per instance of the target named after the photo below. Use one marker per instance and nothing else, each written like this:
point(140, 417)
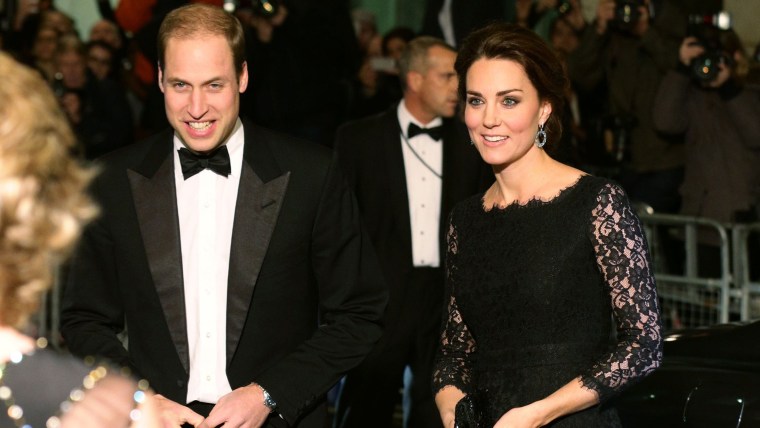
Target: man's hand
point(241, 408)
point(175, 414)
point(690, 49)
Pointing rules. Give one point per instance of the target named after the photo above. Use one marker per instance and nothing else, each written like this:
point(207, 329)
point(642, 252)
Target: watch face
point(268, 401)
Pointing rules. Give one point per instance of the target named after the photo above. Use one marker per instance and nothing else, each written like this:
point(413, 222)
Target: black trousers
point(370, 392)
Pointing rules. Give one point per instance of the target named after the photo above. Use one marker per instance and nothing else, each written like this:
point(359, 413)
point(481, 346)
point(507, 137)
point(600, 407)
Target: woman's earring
point(541, 137)
point(472, 143)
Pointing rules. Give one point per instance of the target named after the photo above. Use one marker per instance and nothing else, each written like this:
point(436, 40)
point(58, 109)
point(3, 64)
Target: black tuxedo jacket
point(369, 151)
point(467, 16)
point(304, 294)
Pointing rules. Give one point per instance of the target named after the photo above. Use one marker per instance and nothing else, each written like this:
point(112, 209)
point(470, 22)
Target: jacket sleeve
point(352, 299)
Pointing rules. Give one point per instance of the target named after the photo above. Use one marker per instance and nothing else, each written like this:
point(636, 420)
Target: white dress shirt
point(206, 207)
point(423, 186)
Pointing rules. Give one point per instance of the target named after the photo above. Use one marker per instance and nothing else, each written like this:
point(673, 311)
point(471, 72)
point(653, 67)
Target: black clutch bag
point(469, 412)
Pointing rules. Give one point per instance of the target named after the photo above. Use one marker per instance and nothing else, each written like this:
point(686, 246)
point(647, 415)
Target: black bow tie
point(193, 163)
point(414, 130)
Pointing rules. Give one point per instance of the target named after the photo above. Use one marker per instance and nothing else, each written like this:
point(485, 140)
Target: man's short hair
point(414, 57)
point(202, 20)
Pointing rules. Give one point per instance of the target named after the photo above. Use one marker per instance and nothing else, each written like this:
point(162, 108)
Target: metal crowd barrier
point(689, 297)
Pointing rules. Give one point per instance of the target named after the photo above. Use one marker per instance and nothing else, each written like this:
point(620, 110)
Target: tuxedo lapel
point(155, 201)
point(452, 157)
point(262, 189)
point(396, 174)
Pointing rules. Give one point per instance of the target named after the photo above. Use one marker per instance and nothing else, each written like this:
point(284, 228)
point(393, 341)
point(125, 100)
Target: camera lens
point(705, 68)
point(564, 6)
point(627, 14)
point(266, 8)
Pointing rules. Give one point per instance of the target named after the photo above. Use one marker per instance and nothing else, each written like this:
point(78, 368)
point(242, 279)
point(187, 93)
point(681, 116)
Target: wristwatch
point(268, 400)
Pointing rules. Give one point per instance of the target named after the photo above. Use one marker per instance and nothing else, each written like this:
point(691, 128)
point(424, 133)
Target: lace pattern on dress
point(457, 343)
point(623, 259)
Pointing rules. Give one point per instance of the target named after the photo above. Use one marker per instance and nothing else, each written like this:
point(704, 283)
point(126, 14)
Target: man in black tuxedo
point(453, 20)
point(232, 255)
point(408, 167)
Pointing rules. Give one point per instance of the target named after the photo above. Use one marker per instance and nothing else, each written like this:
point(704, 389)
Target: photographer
point(706, 99)
point(630, 46)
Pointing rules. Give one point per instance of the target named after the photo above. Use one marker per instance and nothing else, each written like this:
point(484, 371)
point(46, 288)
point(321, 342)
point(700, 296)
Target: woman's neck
point(524, 180)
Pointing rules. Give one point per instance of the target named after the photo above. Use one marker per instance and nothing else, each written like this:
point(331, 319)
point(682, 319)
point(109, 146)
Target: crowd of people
point(285, 199)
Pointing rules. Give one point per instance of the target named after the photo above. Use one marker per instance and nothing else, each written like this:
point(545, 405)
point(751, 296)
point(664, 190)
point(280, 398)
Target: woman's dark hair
point(523, 46)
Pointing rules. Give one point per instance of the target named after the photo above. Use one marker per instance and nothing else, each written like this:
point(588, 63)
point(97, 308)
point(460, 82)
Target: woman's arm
point(570, 398)
point(623, 260)
point(451, 371)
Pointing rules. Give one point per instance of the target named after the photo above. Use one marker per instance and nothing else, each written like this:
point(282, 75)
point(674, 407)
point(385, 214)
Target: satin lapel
point(256, 212)
point(396, 174)
point(156, 205)
point(452, 157)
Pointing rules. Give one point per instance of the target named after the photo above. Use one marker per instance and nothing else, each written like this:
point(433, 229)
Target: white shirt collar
point(405, 118)
point(234, 143)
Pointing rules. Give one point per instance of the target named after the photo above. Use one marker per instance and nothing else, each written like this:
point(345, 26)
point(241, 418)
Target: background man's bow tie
point(414, 130)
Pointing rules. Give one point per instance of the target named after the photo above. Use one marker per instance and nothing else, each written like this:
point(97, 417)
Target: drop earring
point(541, 137)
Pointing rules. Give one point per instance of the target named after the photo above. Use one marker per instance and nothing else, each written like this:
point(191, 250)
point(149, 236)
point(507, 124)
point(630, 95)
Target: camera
point(263, 8)
point(627, 14)
point(706, 29)
point(564, 7)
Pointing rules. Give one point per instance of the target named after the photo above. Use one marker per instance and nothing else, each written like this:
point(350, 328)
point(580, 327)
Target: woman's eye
point(474, 101)
point(510, 102)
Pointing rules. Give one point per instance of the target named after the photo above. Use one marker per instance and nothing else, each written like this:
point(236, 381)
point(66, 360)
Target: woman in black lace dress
point(552, 306)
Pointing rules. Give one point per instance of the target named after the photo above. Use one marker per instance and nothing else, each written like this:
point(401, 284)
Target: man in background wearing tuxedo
point(408, 167)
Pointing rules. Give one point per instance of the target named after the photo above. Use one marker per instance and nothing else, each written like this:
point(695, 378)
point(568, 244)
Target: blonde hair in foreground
point(43, 204)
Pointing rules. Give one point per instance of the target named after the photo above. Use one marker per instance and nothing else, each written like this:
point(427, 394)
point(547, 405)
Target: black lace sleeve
point(457, 344)
point(623, 259)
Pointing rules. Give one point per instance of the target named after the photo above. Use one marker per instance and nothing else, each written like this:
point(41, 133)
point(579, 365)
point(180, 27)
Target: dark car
point(710, 377)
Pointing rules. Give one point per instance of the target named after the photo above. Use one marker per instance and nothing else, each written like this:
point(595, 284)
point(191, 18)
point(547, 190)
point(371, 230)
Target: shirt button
point(208, 334)
point(208, 378)
point(423, 178)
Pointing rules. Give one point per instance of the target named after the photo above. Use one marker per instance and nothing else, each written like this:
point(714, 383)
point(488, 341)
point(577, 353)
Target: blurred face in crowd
point(45, 44)
point(563, 37)
point(395, 47)
point(72, 67)
point(502, 110)
point(201, 90)
point(437, 84)
point(99, 61)
point(106, 31)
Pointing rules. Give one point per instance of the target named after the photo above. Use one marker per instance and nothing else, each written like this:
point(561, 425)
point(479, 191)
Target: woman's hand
point(528, 416)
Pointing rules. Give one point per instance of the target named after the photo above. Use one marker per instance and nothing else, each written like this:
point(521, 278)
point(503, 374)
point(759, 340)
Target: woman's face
point(502, 111)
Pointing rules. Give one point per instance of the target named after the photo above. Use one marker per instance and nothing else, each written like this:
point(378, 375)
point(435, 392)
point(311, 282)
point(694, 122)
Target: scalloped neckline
point(532, 202)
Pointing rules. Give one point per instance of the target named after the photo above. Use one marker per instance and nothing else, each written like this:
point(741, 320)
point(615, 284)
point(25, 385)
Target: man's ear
point(414, 80)
point(243, 80)
point(160, 79)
